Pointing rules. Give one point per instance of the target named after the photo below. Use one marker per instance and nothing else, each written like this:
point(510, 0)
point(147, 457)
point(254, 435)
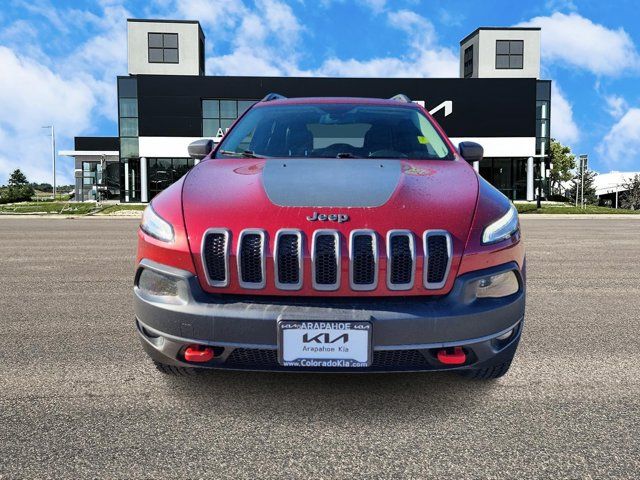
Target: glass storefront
point(509, 175)
point(98, 181)
point(164, 171)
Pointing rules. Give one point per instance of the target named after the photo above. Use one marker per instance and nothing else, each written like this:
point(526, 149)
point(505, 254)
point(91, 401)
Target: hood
point(340, 194)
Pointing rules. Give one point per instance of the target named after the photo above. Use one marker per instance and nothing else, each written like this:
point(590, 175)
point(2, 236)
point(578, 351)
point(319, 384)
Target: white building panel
point(503, 146)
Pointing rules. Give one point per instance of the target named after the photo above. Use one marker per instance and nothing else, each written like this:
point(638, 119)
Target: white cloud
point(71, 91)
point(264, 42)
point(616, 105)
point(104, 56)
point(280, 20)
point(620, 148)
point(576, 41)
point(424, 58)
point(33, 96)
point(220, 17)
point(563, 127)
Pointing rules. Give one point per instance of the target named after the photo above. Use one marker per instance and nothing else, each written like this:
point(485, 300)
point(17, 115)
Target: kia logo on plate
point(324, 338)
point(332, 217)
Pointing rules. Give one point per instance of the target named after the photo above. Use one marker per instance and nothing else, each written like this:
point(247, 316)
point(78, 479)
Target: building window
point(509, 54)
point(218, 115)
point(543, 117)
point(509, 175)
point(128, 130)
point(201, 56)
point(163, 48)
point(165, 171)
point(468, 62)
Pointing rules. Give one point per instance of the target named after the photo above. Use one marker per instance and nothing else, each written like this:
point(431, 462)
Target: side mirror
point(471, 151)
point(200, 148)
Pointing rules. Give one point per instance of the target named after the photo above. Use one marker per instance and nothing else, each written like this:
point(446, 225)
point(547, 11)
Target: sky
point(59, 60)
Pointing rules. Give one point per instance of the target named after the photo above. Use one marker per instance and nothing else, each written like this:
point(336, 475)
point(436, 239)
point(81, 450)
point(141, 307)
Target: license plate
point(324, 344)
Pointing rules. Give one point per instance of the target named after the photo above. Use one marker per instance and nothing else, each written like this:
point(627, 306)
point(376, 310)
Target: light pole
point(53, 156)
point(583, 166)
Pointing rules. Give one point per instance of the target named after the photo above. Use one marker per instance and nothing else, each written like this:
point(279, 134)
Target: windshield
point(335, 130)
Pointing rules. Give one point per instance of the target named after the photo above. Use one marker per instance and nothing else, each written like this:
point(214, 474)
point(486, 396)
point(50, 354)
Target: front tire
point(177, 371)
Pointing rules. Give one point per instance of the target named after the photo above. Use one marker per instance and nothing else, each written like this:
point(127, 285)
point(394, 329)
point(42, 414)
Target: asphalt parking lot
point(79, 398)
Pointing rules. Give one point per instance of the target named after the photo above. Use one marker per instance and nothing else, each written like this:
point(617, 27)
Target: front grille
point(401, 261)
point(251, 259)
point(326, 260)
point(437, 248)
point(382, 360)
point(364, 260)
point(288, 260)
point(290, 249)
point(253, 357)
point(215, 252)
point(400, 359)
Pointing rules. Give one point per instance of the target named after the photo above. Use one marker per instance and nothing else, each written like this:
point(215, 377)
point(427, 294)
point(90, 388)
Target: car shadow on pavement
point(378, 394)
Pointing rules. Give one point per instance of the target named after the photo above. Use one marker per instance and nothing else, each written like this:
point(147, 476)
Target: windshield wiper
point(245, 154)
point(347, 155)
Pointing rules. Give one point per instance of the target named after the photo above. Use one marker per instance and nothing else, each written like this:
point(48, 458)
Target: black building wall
point(171, 106)
point(94, 144)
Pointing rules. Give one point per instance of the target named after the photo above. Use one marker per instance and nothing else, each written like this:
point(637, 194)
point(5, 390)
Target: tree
point(17, 179)
point(590, 197)
point(631, 197)
point(18, 189)
point(563, 162)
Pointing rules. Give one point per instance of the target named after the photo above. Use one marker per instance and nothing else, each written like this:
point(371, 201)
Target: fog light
point(496, 286)
point(504, 336)
point(157, 284)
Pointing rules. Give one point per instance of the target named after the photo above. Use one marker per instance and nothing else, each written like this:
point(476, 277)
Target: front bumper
point(407, 332)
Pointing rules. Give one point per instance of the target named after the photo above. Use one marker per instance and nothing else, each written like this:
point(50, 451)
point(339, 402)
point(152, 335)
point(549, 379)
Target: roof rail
point(272, 96)
point(401, 97)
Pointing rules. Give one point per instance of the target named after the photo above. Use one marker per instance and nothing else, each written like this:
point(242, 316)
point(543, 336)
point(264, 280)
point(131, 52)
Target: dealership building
point(166, 102)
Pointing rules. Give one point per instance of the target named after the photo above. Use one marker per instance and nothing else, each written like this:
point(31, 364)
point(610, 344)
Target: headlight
point(154, 225)
point(496, 286)
point(502, 228)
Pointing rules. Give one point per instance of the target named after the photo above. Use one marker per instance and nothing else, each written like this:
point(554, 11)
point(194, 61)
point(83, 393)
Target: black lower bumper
point(406, 331)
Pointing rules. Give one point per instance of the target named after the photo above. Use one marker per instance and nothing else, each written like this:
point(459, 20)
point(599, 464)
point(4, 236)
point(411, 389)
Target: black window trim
point(467, 72)
point(509, 55)
point(220, 118)
point(163, 48)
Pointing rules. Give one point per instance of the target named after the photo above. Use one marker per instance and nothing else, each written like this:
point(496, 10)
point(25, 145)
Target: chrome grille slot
point(363, 260)
point(288, 260)
point(401, 260)
point(437, 258)
point(215, 256)
point(325, 260)
point(251, 259)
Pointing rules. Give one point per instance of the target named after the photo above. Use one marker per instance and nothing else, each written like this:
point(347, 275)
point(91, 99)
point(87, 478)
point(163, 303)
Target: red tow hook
point(452, 356)
point(198, 353)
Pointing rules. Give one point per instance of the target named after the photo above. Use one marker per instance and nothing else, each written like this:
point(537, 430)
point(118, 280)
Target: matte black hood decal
point(331, 182)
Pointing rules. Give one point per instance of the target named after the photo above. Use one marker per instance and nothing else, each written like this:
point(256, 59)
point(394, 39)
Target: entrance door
point(502, 170)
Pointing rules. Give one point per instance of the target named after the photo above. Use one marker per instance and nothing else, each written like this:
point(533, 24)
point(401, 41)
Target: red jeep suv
point(331, 234)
